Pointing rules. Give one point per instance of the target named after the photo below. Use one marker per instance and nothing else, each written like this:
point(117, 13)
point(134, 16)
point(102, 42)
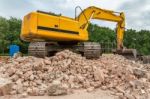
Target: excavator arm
point(107, 15)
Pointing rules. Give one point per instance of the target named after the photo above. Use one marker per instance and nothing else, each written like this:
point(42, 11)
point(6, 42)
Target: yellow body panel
point(28, 27)
point(38, 26)
point(44, 27)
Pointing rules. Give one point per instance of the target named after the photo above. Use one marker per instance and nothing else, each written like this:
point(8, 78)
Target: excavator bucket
point(128, 53)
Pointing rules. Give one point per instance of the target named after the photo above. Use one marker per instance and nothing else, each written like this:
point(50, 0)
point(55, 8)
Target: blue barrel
point(13, 49)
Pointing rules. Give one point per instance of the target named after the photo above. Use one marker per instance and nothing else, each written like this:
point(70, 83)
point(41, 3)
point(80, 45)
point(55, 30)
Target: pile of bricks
point(68, 72)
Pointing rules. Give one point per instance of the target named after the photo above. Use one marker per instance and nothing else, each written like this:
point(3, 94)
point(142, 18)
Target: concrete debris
point(57, 88)
point(146, 59)
point(67, 72)
point(5, 87)
point(19, 54)
point(139, 73)
point(24, 95)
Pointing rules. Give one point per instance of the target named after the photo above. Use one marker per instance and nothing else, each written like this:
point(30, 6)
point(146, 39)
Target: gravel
point(67, 72)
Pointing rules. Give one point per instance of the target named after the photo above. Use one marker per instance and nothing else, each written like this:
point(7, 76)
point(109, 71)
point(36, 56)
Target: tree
point(4, 28)
point(101, 34)
point(14, 34)
point(14, 30)
point(10, 30)
point(139, 40)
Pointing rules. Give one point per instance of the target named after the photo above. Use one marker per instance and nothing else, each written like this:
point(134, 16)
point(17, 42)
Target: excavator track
point(92, 50)
point(38, 49)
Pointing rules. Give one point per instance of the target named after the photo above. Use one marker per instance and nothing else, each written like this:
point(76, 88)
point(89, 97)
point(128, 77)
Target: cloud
point(13, 7)
point(18, 8)
point(137, 11)
point(68, 8)
point(137, 14)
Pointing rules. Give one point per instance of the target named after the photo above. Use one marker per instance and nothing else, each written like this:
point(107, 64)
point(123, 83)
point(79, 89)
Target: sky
point(137, 11)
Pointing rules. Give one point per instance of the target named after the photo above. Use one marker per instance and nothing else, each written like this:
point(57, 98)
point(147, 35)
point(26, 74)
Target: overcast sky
point(137, 11)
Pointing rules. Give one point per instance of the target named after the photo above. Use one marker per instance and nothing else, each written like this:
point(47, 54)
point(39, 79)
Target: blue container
point(13, 49)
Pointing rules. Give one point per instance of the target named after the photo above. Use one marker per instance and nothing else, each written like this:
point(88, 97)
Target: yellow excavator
point(49, 33)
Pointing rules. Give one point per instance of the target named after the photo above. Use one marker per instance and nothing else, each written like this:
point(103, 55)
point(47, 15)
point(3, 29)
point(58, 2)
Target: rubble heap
point(68, 72)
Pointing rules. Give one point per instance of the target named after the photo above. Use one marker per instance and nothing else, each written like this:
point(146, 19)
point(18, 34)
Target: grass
point(5, 54)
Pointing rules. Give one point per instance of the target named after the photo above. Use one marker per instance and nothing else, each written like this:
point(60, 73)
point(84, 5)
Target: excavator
point(49, 33)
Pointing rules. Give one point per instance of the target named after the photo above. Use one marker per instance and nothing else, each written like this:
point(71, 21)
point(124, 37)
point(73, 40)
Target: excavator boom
point(106, 15)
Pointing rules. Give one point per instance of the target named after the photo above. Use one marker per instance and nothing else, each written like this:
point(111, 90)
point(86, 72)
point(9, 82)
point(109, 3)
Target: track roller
point(38, 49)
point(92, 50)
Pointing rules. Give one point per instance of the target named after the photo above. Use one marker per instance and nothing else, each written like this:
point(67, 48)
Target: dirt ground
point(4, 58)
point(78, 77)
point(98, 94)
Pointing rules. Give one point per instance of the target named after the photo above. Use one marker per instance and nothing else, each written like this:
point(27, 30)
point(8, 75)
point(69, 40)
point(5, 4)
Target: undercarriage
point(90, 50)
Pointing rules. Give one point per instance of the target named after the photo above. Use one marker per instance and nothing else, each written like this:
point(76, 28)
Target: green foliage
point(4, 27)
point(101, 34)
point(10, 34)
point(139, 40)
